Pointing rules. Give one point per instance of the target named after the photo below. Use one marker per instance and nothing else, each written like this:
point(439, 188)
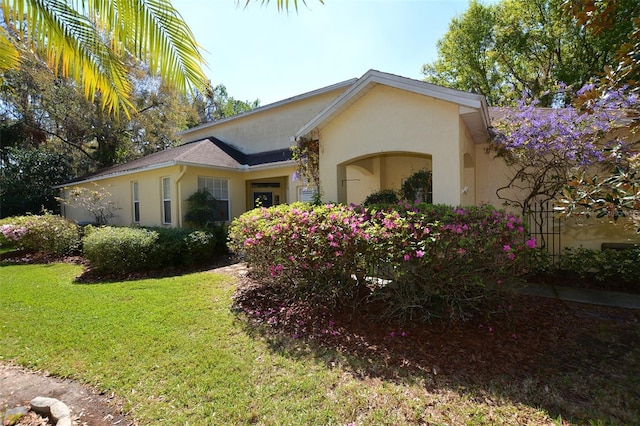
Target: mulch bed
point(522, 337)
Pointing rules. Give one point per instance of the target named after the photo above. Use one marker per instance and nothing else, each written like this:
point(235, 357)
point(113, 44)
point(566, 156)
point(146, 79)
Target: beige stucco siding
point(267, 130)
point(493, 173)
point(120, 188)
point(389, 120)
point(184, 182)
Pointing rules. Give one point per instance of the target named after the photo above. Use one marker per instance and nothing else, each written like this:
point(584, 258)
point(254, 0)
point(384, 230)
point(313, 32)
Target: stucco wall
point(120, 188)
point(184, 182)
point(265, 130)
point(492, 173)
point(388, 120)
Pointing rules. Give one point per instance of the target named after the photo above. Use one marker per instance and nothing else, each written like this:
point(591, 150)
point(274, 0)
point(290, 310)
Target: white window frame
point(166, 200)
point(135, 201)
point(218, 188)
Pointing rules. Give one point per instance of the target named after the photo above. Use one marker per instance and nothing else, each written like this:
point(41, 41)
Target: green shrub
point(602, 265)
point(620, 265)
point(384, 197)
point(183, 247)
point(201, 247)
point(422, 260)
point(120, 250)
point(46, 233)
point(418, 187)
point(170, 248)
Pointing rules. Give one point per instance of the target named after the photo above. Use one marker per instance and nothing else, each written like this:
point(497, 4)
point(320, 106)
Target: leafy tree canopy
point(26, 180)
point(529, 47)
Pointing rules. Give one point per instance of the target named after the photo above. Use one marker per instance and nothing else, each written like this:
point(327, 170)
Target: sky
point(260, 53)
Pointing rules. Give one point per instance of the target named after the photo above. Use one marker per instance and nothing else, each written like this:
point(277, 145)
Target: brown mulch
point(516, 339)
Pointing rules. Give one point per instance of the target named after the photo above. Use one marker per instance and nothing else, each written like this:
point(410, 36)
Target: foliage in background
point(45, 233)
point(39, 109)
point(384, 197)
point(96, 201)
point(418, 187)
point(91, 43)
point(203, 210)
point(436, 264)
point(511, 48)
point(611, 266)
point(27, 178)
point(217, 105)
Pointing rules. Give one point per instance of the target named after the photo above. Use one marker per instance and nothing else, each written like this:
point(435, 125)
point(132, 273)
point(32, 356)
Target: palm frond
point(89, 39)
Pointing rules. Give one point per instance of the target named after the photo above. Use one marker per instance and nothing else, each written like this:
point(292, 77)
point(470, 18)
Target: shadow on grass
point(579, 363)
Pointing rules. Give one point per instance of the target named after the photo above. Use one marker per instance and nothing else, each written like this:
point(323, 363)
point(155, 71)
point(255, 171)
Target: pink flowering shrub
point(46, 233)
point(446, 261)
point(313, 252)
point(420, 260)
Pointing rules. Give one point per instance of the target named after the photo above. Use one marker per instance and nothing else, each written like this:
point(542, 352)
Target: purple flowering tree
point(546, 148)
point(616, 193)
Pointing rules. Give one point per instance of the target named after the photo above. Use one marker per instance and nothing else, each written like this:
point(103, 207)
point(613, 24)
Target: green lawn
point(173, 352)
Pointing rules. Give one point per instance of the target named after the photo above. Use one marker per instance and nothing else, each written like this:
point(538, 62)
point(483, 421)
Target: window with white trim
point(135, 200)
point(219, 190)
point(166, 200)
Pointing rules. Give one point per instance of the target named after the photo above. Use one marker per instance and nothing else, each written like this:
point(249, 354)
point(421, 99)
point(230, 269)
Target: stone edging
point(54, 409)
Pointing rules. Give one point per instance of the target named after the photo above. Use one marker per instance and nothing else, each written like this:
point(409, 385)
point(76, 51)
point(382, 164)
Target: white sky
point(260, 53)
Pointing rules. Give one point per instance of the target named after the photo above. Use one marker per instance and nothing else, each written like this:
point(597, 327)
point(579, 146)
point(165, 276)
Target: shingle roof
point(210, 152)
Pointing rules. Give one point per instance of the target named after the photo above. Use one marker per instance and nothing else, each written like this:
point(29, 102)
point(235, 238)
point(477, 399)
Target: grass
point(173, 352)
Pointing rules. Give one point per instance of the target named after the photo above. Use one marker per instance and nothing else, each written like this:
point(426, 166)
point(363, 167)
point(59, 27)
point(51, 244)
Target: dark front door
point(262, 199)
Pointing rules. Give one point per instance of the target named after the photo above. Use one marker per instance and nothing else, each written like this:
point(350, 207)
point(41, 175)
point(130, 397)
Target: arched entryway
point(357, 178)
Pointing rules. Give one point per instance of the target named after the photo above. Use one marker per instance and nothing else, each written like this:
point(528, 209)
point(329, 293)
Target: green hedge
point(118, 250)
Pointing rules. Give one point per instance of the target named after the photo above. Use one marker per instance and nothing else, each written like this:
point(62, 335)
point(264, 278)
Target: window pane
point(167, 211)
point(135, 191)
point(136, 212)
point(166, 188)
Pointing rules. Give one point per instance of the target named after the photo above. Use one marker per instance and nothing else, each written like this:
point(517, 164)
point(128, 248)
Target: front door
point(262, 199)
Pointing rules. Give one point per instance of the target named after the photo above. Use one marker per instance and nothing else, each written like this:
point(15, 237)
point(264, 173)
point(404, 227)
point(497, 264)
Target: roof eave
point(270, 106)
point(117, 174)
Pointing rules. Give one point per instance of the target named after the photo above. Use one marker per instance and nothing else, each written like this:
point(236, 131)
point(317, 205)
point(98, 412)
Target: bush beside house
point(46, 233)
point(423, 261)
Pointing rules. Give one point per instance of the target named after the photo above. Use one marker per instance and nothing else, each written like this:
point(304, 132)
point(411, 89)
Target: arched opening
point(362, 176)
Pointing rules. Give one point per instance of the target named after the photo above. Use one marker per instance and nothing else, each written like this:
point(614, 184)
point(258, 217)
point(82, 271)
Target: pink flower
point(419, 253)
point(531, 243)
point(506, 247)
point(407, 257)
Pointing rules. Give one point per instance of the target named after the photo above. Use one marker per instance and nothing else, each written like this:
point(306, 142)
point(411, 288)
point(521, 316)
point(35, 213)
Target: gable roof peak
point(469, 103)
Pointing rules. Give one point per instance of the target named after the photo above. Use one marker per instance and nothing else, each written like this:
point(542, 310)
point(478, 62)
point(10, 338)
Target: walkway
point(583, 295)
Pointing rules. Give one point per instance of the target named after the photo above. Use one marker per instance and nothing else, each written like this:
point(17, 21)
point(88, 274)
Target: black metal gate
point(546, 229)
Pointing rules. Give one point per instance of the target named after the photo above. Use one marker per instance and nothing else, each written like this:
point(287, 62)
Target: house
point(373, 132)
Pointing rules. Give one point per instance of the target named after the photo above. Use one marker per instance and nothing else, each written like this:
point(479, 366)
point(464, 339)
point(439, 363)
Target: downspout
point(183, 170)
